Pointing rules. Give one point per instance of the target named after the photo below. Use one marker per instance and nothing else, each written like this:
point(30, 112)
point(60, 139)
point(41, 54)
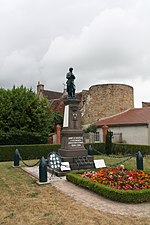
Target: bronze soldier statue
point(70, 83)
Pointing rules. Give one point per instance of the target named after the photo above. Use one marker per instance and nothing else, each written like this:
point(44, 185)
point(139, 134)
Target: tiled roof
point(52, 94)
point(57, 95)
point(134, 116)
point(57, 105)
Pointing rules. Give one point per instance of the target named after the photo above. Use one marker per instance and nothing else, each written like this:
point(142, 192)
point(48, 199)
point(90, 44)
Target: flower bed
point(120, 178)
point(116, 184)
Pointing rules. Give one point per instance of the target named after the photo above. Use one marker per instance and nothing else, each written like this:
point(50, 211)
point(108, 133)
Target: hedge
point(128, 196)
point(118, 148)
point(27, 151)
point(19, 137)
point(38, 150)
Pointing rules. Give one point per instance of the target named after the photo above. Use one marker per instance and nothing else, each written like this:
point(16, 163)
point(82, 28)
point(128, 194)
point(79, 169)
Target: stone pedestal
point(72, 136)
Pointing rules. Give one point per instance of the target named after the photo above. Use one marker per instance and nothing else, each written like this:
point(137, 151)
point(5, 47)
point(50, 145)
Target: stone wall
point(106, 100)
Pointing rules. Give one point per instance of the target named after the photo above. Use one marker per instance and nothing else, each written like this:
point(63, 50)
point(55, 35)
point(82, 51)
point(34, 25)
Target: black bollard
point(90, 150)
point(139, 161)
point(43, 170)
point(108, 143)
point(16, 158)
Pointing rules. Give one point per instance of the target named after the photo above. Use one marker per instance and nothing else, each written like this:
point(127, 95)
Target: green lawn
point(130, 164)
point(23, 202)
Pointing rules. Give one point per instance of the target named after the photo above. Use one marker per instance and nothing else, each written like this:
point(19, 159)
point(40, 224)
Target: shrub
point(130, 149)
point(35, 151)
point(127, 196)
point(92, 128)
point(97, 148)
point(118, 148)
point(27, 151)
point(18, 137)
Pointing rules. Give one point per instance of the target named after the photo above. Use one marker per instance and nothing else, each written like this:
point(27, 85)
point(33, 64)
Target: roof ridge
point(54, 91)
point(103, 118)
point(129, 116)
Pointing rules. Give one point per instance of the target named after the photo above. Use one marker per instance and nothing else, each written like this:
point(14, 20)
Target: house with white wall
point(131, 126)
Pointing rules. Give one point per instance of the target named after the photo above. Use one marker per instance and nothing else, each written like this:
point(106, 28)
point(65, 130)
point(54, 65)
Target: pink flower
point(120, 178)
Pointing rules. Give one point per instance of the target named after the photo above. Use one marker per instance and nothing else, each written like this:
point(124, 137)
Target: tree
point(55, 118)
point(23, 112)
point(92, 128)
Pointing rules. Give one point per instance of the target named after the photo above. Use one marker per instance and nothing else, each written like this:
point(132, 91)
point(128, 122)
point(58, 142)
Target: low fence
point(119, 148)
point(43, 163)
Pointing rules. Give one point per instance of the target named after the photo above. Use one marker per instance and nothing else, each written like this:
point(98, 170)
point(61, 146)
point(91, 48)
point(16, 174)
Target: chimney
point(65, 91)
point(40, 88)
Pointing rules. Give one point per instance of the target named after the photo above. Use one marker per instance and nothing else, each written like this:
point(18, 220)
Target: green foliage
point(21, 109)
point(22, 113)
point(97, 147)
point(26, 151)
point(130, 149)
point(128, 196)
point(118, 148)
point(55, 118)
point(36, 151)
point(18, 137)
point(92, 128)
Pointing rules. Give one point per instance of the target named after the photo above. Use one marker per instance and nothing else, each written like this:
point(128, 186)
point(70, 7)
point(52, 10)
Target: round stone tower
point(104, 100)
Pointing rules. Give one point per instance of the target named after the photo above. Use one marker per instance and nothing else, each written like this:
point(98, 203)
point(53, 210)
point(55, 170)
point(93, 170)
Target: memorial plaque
point(65, 166)
point(66, 116)
point(75, 141)
point(99, 163)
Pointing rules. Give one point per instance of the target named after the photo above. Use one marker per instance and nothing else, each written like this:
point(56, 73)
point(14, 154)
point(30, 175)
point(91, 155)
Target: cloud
point(104, 41)
point(19, 67)
point(113, 43)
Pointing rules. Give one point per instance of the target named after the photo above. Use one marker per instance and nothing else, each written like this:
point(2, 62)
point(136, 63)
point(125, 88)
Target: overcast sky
point(105, 41)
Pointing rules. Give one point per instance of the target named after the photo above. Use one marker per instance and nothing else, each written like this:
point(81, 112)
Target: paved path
point(93, 200)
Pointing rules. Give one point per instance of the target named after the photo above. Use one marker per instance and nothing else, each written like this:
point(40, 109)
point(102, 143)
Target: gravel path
point(93, 200)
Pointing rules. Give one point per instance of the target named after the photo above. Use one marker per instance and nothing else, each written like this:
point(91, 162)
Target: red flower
point(120, 178)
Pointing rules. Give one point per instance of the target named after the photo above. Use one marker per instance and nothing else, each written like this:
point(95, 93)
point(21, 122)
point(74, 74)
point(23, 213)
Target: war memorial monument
point(72, 147)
